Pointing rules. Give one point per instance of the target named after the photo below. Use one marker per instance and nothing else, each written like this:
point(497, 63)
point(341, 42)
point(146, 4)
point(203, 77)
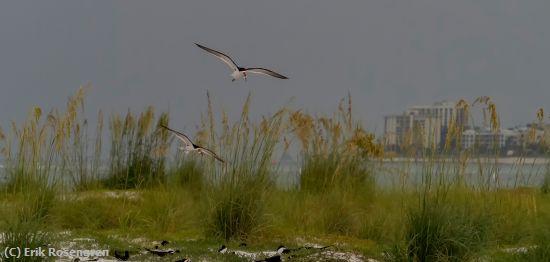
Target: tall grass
point(238, 189)
point(187, 173)
point(539, 251)
point(336, 187)
point(440, 230)
point(24, 234)
point(136, 156)
point(31, 160)
point(446, 224)
point(56, 172)
point(35, 156)
point(335, 151)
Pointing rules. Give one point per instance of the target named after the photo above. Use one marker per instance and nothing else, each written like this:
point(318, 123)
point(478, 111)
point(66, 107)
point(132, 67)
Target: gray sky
point(389, 54)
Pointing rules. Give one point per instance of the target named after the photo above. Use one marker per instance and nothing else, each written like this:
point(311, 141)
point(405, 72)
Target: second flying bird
point(189, 146)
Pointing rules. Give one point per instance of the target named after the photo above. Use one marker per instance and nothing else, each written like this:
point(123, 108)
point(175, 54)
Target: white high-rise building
point(486, 138)
point(412, 129)
point(444, 110)
point(432, 121)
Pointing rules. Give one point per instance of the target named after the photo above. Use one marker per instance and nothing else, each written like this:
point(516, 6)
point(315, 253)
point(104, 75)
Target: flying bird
point(190, 147)
point(240, 72)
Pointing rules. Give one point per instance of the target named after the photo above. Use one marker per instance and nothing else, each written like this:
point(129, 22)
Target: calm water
point(395, 174)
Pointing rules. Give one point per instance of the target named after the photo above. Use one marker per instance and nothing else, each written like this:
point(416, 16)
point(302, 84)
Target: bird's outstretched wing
point(209, 152)
point(221, 56)
point(183, 137)
point(264, 71)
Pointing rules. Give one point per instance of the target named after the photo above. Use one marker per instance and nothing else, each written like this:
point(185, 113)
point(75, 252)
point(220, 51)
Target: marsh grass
point(441, 231)
point(24, 234)
point(339, 215)
point(335, 151)
point(446, 223)
point(169, 210)
point(322, 173)
point(57, 180)
point(137, 150)
point(188, 174)
point(239, 188)
point(545, 187)
point(95, 212)
point(540, 249)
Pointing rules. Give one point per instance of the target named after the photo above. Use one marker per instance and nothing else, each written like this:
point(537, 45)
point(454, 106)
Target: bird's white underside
point(237, 74)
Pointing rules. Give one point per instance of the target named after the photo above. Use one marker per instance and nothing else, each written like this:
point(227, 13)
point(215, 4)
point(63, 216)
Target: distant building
point(529, 140)
point(411, 129)
point(487, 139)
point(423, 125)
point(446, 111)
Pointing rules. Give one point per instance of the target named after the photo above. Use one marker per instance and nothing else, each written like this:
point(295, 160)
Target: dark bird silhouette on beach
point(282, 250)
point(161, 252)
point(124, 257)
point(275, 258)
point(222, 249)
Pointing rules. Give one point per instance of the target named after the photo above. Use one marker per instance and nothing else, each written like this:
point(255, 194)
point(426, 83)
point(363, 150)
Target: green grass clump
point(322, 173)
point(545, 187)
point(168, 210)
point(137, 150)
point(236, 212)
point(338, 215)
point(95, 212)
point(539, 250)
point(188, 174)
point(239, 187)
point(441, 229)
point(335, 151)
point(56, 181)
point(25, 234)
point(37, 205)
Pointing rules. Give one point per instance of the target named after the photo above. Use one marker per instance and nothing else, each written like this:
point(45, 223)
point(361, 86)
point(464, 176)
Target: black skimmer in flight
point(190, 147)
point(240, 72)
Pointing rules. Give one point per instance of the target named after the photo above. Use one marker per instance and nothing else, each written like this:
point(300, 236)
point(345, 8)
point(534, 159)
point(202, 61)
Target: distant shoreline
point(500, 160)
